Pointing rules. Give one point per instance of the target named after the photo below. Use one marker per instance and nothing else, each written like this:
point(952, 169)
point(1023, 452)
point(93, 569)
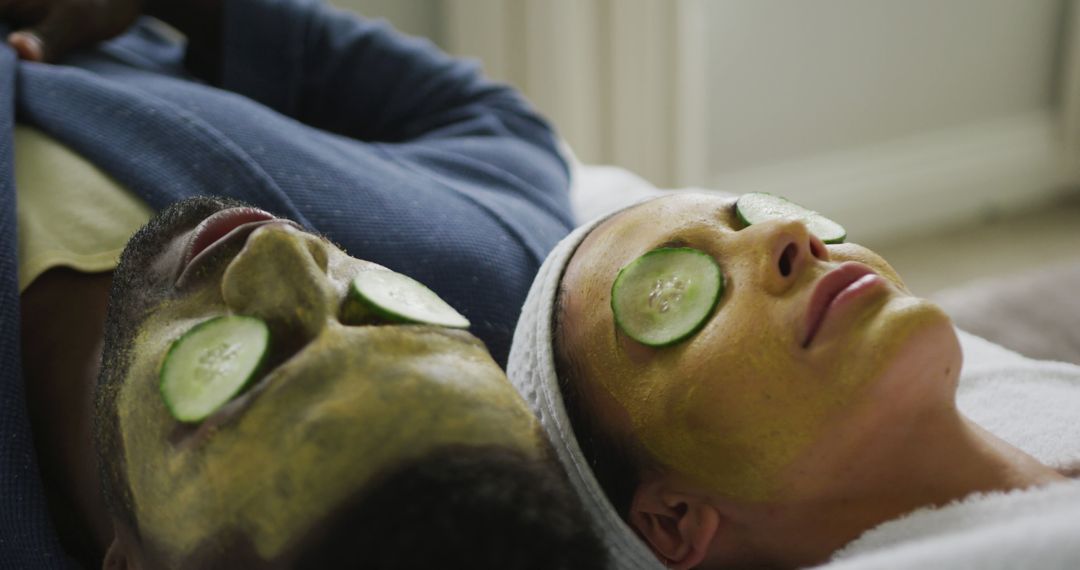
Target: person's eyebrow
point(727, 215)
point(673, 241)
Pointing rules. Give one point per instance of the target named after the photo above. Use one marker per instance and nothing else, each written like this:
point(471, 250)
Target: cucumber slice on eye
point(756, 207)
point(389, 296)
point(210, 364)
point(666, 295)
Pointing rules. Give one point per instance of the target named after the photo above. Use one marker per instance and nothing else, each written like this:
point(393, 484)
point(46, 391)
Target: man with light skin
point(816, 401)
point(373, 444)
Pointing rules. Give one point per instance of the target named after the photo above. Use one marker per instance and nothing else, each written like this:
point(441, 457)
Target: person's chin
point(914, 351)
point(909, 317)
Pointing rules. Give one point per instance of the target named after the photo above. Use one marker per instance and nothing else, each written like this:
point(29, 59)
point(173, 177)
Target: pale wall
point(416, 17)
point(791, 78)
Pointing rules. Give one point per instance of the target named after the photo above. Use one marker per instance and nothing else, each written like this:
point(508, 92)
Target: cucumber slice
point(756, 207)
point(666, 295)
point(210, 364)
point(386, 295)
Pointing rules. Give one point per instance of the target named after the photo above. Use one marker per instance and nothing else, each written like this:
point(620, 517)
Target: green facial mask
point(351, 402)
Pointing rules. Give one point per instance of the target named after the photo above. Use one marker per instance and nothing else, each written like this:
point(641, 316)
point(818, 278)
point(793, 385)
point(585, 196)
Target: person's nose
point(785, 250)
point(280, 276)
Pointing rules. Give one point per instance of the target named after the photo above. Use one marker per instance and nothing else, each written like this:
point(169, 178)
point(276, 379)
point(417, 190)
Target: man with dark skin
point(382, 445)
point(341, 402)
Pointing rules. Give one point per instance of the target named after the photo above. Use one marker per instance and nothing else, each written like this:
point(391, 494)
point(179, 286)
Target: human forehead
point(672, 220)
point(669, 215)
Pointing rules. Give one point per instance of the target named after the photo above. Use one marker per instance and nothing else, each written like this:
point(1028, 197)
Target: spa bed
point(1036, 313)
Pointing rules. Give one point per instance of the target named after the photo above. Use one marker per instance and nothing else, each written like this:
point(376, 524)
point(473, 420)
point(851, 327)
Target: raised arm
point(323, 66)
point(47, 30)
point(360, 78)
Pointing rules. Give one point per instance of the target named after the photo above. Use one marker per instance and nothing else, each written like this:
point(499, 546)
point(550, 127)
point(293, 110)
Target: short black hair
point(459, 506)
point(615, 462)
point(125, 313)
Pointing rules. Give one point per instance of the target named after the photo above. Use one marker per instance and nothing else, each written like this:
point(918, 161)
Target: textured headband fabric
point(531, 369)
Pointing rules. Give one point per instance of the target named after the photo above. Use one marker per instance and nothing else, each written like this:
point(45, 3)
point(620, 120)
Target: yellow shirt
point(69, 213)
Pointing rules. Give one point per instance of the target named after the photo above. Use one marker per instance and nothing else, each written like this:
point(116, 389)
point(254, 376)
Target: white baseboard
point(884, 192)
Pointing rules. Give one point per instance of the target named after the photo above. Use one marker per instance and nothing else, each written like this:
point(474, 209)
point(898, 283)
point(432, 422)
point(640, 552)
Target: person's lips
point(217, 230)
point(847, 281)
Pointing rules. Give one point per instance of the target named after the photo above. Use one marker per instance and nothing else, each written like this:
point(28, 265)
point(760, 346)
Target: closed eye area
point(666, 295)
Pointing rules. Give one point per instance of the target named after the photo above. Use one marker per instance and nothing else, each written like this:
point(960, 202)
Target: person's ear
point(116, 558)
point(680, 527)
point(122, 553)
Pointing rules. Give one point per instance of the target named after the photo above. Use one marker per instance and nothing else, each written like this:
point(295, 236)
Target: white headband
point(531, 369)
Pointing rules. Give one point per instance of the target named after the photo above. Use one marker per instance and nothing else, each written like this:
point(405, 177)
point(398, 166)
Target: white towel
point(1032, 404)
point(1030, 529)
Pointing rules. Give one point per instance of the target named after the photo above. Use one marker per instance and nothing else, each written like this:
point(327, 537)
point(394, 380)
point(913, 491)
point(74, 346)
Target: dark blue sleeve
point(360, 78)
point(454, 141)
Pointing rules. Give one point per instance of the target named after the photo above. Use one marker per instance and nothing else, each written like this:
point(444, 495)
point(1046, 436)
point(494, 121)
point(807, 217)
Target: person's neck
point(931, 461)
point(63, 313)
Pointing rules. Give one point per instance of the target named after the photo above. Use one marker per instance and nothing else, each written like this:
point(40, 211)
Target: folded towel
point(1032, 404)
point(1031, 529)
